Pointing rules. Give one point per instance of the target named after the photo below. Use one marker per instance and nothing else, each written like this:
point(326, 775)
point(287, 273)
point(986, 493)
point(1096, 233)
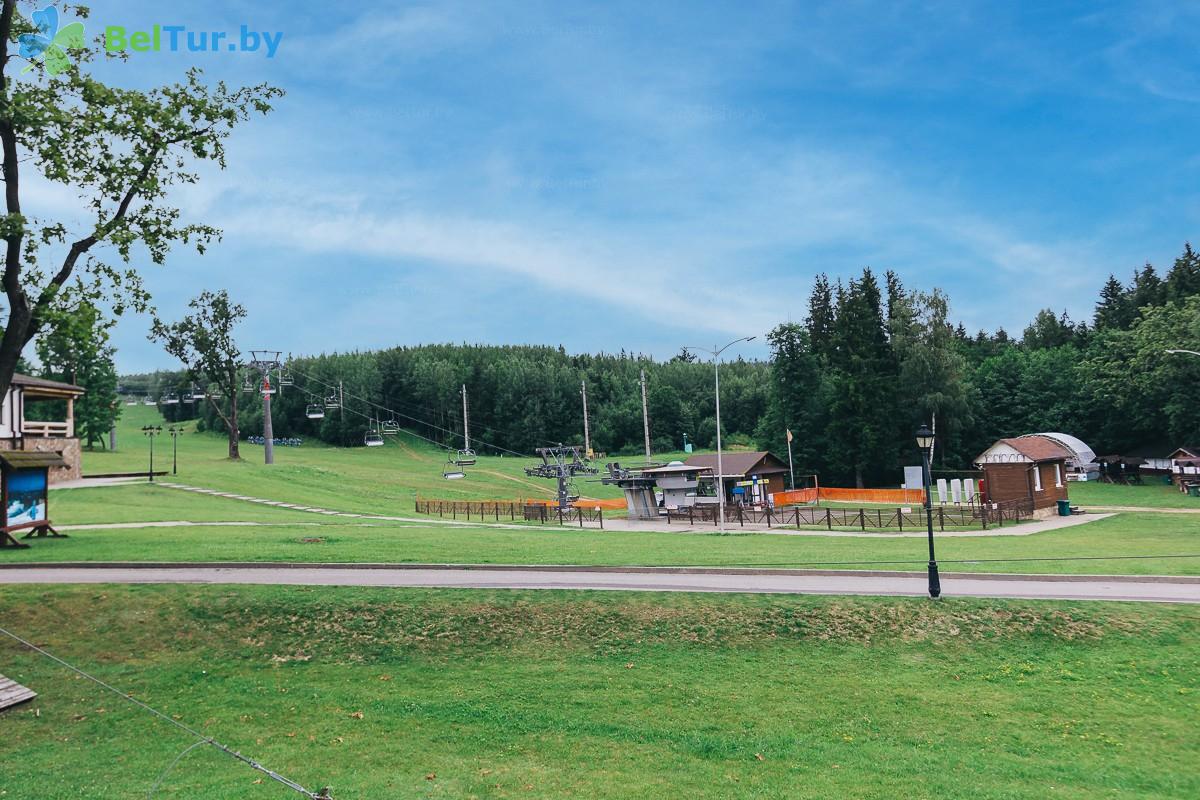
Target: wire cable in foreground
point(275, 776)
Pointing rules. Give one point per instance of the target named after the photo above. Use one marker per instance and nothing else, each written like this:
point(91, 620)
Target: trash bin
point(1194, 490)
point(1064, 508)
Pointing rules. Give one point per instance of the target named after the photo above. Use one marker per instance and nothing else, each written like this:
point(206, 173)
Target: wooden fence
point(862, 518)
point(511, 510)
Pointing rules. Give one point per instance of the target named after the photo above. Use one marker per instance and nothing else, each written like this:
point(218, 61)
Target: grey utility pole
point(587, 435)
point(466, 422)
point(645, 417)
point(266, 362)
point(716, 354)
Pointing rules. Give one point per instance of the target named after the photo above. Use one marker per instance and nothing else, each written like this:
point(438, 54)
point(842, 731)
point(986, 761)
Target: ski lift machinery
point(562, 463)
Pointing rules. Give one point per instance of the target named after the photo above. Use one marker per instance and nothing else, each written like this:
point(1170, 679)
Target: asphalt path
point(1154, 589)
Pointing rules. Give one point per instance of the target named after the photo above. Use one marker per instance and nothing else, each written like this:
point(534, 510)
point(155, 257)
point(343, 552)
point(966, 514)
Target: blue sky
point(642, 176)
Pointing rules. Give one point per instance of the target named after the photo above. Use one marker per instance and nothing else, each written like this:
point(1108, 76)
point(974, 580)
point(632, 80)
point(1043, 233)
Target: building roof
point(740, 464)
point(1080, 453)
point(1024, 448)
point(57, 387)
point(1185, 452)
point(27, 459)
point(671, 469)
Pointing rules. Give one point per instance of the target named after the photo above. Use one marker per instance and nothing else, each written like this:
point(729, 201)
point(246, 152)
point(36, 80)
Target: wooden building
point(1032, 468)
point(17, 432)
point(750, 477)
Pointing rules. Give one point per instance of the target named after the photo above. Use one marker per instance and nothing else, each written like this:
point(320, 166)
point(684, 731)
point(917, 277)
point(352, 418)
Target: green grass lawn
point(374, 479)
point(144, 502)
point(363, 540)
point(470, 694)
point(1151, 494)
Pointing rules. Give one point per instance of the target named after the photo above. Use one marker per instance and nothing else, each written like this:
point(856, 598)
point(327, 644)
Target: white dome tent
point(1082, 465)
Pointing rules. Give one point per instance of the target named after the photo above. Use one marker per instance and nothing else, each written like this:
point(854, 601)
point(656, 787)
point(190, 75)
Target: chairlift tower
point(562, 463)
point(266, 362)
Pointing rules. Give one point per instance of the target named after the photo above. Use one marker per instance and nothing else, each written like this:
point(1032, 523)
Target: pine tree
point(1114, 310)
point(863, 378)
point(1183, 281)
point(821, 318)
point(1147, 290)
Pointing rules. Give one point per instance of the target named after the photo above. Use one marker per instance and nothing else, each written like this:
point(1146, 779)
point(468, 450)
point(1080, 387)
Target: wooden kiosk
point(24, 482)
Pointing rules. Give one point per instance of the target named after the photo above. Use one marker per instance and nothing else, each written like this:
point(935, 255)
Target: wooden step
point(12, 693)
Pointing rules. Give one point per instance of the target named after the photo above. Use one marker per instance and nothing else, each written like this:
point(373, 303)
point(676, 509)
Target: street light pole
point(174, 431)
point(150, 431)
point(924, 442)
point(716, 354)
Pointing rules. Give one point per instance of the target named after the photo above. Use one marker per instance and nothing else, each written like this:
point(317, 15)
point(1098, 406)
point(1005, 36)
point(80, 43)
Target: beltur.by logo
point(176, 38)
point(50, 44)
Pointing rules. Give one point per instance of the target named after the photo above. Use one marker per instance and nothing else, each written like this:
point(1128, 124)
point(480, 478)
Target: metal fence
point(965, 516)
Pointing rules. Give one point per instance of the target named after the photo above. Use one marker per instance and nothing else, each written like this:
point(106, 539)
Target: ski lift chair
point(390, 428)
point(314, 411)
point(452, 471)
point(372, 438)
point(148, 401)
point(332, 402)
point(170, 399)
point(188, 397)
point(465, 458)
point(285, 377)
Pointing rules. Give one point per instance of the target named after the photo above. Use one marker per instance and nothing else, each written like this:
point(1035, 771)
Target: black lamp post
point(150, 431)
point(925, 442)
point(175, 432)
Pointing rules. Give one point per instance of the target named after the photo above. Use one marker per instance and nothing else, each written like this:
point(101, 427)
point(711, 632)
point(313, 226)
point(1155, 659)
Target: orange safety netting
point(612, 504)
point(836, 494)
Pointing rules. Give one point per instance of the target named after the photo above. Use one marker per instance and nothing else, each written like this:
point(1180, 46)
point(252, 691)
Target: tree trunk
point(858, 480)
point(11, 346)
point(234, 434)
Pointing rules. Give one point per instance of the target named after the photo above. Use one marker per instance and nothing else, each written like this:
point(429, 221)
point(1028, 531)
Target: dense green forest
point(871, 361)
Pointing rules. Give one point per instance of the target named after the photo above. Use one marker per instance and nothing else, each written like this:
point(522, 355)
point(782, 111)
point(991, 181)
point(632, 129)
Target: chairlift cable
point(394, 412)
point(250, 762)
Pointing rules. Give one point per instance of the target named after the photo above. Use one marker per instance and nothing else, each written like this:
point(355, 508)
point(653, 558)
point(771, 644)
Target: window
point(1037, 477)
point(1058, 475)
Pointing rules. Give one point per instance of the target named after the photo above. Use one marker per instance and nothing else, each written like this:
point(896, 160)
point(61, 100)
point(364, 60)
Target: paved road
point(1047, 587)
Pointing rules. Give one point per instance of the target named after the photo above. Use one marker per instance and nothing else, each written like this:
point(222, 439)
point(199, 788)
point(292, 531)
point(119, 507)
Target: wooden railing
point(47, 429)
point(899, 518)
point(512, 510)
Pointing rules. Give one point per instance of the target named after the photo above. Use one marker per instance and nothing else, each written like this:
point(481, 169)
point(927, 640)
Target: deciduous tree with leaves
point(204, 342)
point(75, 348)
point(121, 151)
